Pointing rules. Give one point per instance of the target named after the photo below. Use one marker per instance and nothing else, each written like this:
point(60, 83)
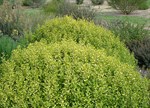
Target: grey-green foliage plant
point(77, 12)
point(128, 31)
point(97, 2)
point(69, 75)
point(126, 6)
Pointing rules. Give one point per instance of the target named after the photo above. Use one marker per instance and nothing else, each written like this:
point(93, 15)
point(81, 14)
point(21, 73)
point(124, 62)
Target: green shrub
point(141, 50)
point(33, 3)
point(79, 1)
point(126, 6)
point(1, 2)
point(97, 2)
point(69, 75)
point(85, 32)
point(7, 44)
point(128, 31)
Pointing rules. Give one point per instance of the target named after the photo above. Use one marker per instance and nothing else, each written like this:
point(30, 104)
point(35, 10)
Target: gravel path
point(110, 11)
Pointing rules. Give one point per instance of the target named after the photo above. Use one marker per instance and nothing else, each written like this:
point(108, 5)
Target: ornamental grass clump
point(85, 32)
point(67, 75)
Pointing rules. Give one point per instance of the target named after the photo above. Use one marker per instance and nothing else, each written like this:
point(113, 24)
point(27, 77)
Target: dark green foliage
point(1, 2)
point(84, 32)
point(79, 1)
point(67, 75)
point(33, 3)
point(141, 50)
point(7, 44)
point(97, 2)
point(126, 6)
point(128, 31)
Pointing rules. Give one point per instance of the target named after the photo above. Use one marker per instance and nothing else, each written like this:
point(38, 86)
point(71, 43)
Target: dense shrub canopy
point(85, 32)
point(69, 75)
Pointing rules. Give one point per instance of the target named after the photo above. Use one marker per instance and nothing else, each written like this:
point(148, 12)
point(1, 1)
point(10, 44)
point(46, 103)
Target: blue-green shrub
point(85, 32)
point(66, 75)
point(7, 44)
